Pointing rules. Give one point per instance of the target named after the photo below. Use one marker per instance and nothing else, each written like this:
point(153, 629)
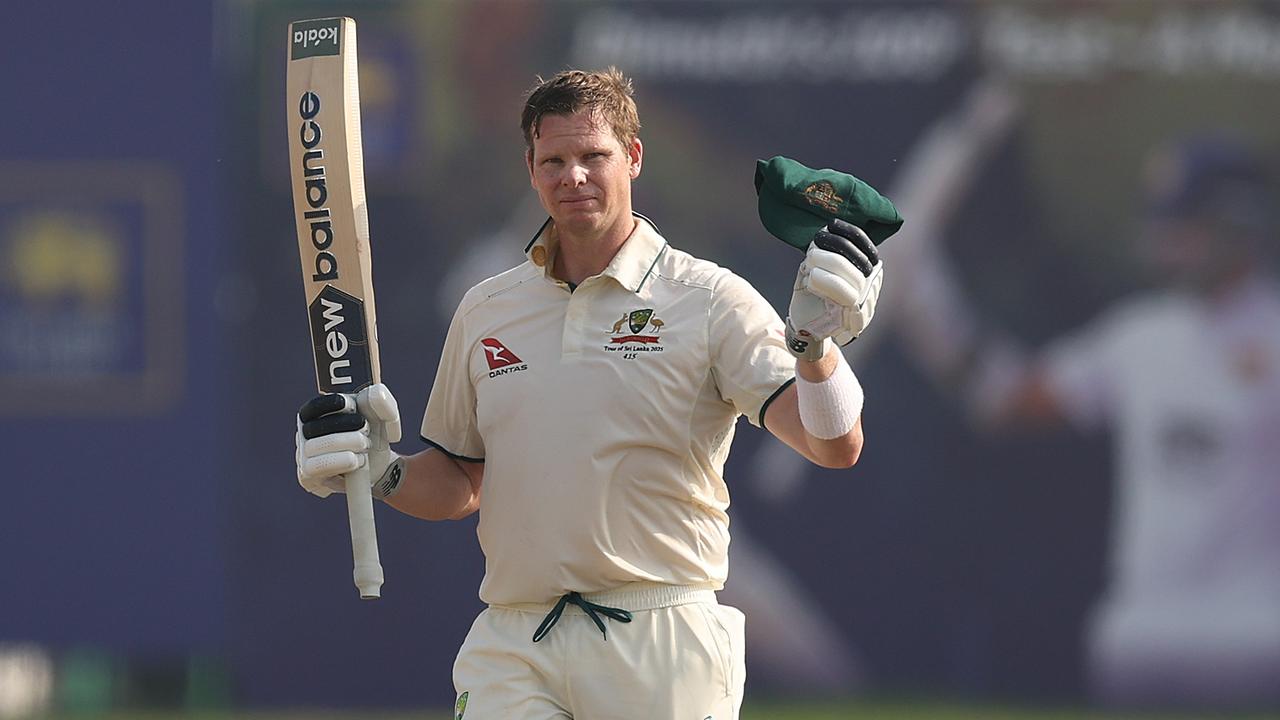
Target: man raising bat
point(584, 404)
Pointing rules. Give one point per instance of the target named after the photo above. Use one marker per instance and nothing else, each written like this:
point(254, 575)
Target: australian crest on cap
point(823, 194)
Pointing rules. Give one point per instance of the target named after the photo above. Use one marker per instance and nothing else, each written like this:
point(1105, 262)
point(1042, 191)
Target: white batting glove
point(339, 433)
point(836, 290)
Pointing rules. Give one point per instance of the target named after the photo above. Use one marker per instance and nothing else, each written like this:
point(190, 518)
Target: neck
point(581, 256)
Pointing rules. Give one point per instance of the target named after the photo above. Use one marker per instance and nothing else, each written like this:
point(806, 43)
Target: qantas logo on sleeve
point(501, 360)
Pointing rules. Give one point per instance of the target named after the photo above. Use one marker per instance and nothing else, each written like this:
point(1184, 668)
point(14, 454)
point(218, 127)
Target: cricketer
point(584, 404)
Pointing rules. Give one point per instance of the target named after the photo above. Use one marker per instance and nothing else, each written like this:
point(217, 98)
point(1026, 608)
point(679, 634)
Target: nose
point(575, 175)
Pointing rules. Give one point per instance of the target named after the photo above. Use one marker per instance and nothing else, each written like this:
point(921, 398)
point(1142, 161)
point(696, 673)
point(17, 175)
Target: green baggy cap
point(796, 201)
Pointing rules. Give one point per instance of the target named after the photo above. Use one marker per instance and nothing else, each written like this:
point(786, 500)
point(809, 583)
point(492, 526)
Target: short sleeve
point(749, 359)
point(1079, 370)
point(450, 420)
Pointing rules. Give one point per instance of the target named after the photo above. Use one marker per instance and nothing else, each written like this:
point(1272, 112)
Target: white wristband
point(830, 408)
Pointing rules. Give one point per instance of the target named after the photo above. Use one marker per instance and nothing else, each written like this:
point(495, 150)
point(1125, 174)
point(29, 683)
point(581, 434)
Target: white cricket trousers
point(680, 657)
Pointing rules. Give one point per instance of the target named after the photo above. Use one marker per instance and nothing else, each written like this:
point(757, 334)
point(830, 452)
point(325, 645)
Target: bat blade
point(327, 173)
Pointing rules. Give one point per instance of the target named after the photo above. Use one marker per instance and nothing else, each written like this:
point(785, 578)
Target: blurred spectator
point(1187, 378)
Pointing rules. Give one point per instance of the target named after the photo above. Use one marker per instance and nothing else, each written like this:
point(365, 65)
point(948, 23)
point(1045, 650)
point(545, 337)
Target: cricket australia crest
point(638, 320)
point(823, 194)
point(645, 330)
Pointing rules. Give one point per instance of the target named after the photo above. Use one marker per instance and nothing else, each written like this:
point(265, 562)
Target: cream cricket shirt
point(604, 416)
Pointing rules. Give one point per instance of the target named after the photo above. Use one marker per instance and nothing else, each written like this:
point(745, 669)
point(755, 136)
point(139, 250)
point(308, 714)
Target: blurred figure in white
point(1187, 379)
point(26, 681)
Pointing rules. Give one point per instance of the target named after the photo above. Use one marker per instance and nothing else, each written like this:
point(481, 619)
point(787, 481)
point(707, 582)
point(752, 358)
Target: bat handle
point(364, 534)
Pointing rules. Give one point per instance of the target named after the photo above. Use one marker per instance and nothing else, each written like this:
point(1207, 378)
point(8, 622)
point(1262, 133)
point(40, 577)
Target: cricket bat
point(327, 171)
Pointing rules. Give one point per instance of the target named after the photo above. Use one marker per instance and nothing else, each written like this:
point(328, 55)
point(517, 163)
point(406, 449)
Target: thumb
point(376, 401)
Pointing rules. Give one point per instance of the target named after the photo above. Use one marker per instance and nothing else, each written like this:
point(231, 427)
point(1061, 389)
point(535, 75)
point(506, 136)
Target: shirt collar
point(630, 267)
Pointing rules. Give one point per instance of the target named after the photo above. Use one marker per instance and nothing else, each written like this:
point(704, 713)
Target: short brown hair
point(606, 92)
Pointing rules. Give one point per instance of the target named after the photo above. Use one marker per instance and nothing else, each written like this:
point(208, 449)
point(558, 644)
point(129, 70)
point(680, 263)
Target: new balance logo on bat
point(317, 189)
point(316, 37)
point(340, 341)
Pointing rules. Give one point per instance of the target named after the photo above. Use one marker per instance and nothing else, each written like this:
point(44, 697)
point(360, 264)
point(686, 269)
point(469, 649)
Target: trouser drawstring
point(592, 610)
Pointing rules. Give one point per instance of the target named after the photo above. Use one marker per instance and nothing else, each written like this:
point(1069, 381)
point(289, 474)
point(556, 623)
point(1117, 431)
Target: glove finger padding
point(855, 235)
point(298, 442)
point(307, 470)
point(330, 424)
point(856, 286)
point(326, 404)
point(832, 287)
point(857, 318)
point(321, 487)
point(357, 441)
point(330, 465)
point(843, 248)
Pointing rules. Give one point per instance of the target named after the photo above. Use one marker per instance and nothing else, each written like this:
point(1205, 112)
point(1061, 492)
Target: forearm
point(842, 450)
point(438, 487)
point(783, 418)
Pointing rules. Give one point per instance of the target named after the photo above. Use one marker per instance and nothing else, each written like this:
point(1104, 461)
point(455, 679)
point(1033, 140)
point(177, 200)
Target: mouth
point(576, 201)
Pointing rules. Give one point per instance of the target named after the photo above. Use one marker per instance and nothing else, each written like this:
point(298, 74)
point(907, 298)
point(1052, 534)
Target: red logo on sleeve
point(497, 354)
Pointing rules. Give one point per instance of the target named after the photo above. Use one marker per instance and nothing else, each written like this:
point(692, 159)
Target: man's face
point(1191, 253)
point(583, 173)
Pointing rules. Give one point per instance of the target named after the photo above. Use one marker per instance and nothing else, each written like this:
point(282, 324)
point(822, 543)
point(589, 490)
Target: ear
point(528, 161)
point(636, 155)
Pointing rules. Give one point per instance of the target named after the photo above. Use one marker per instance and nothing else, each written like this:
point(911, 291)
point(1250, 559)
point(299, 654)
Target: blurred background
point(1070, 495)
